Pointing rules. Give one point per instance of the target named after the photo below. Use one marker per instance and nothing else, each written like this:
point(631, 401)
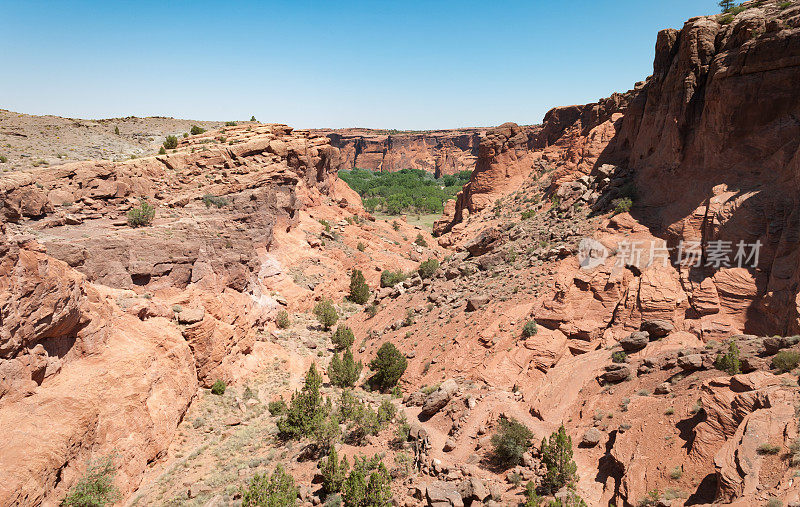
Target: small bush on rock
point(510, 442)
point(786, 360)
point(96, 487)
point(619, 357)
point(218, 388)
point(171, 143)
point(729, 362)
point(529, 329)
point(142, 215)
point(282, 320)
point(195, 130)
point(391, 278)
point(428, 268)
point(276, 407)
point(420, 241)
point(622, 205)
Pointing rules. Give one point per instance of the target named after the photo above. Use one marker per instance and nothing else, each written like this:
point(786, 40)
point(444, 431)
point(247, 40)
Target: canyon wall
point(438, 152)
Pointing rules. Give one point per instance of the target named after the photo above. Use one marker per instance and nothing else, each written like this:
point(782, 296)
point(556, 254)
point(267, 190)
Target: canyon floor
point(554, 291)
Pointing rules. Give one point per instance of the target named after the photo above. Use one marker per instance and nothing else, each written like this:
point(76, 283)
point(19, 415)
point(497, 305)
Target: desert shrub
point(162, 151)
point(141, 215)
point(532, 498)
point(230, 123)
point(218, 387)
point(622, 205)
point(428, 268)
point(619, 357)
point(116, 130)
point(676, 473)
point(343, 337)
point(282, 320)
point(511, 440)
point(362, 490)
point(277, 490)
point(386, 412)
point(529, 329)
point(528, 214)
point(389, 365)
point(3, 159)
point(391, 278)
point(571, 499)
point(325, 224)
point(557, 457)
point(729, 362)
point(96, 487)
point(214, 200)
point(253, 118)
point(794, 452)
point(361, 246)
point(420, 240)
point(786, 360)
point(195, 130)
point(344, 372)
point(306, 410)
point(784, 5)
point(334, 472)
point(359, 290)
point(372, 310)
point(403, 431)
point(170, 143)
point(767, 448)
point(326, 314)
point(276, 407)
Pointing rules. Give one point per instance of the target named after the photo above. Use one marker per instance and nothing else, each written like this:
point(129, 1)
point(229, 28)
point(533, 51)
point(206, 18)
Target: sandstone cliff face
point(438, 152)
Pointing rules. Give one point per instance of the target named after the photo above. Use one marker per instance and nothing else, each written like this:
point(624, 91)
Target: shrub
point(420, 240)
point(344, 372)
point(557, 457)
point(96, 487)
point(529, 329)
point(142, 215)
point(730, 361)
point(343, 337)
point(784, 5)
point(276, 407)
point(253, 118)
point(532, 499)
point(162, 151)
point(676, 473)
point(786, 360)
point(282, 320)
point(277, 490)
point(359, 490)
point(359, 290)
point(306, 410)
point(428, 268)
point(386, 412)
point(230, 123)
point(214, 200)
point(116, 130)
point(619, 357)
point(3, 159)
point(571, 499)
point(622, 205)
point(510, 442)
point(334, 472)
point(768, 449)
point(195, 130)
point(361, 246)
point(372, 310)
point(218, 387)
point(326, 314)
point(171, 143)
point(391, 278)
point(528, 214)
point(389, 365)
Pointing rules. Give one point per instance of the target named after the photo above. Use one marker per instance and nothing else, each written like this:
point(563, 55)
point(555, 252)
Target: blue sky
point(385, 64)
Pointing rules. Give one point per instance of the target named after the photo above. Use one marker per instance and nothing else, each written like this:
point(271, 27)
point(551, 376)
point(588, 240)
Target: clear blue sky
point(383, 64)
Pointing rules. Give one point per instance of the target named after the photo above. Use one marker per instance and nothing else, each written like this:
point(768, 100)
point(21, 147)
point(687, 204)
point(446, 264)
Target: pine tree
point(306, 410)
point(359, 290)
point(326, 314)
point(726, 5)
point(343, 337)
point(346, 371)
point(277, 490)
point(389, 365)
point(557, 457)
point(334, 472)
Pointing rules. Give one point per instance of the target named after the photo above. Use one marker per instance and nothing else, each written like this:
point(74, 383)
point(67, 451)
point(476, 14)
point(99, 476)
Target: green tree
point(96, 487)
point(726, 5)
point(306, 410)
point(344, 372)
point(730, 361)
point(334, 472)
point(360, 490)
point(557, 457)
point(511, 440)
point(326, 313)
point(428, 268)
point(196, 130)
point(343, 337)
point(389, 365)
point(359, 290)
point(171, 143)
point(391, 278)
point(277, 490)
